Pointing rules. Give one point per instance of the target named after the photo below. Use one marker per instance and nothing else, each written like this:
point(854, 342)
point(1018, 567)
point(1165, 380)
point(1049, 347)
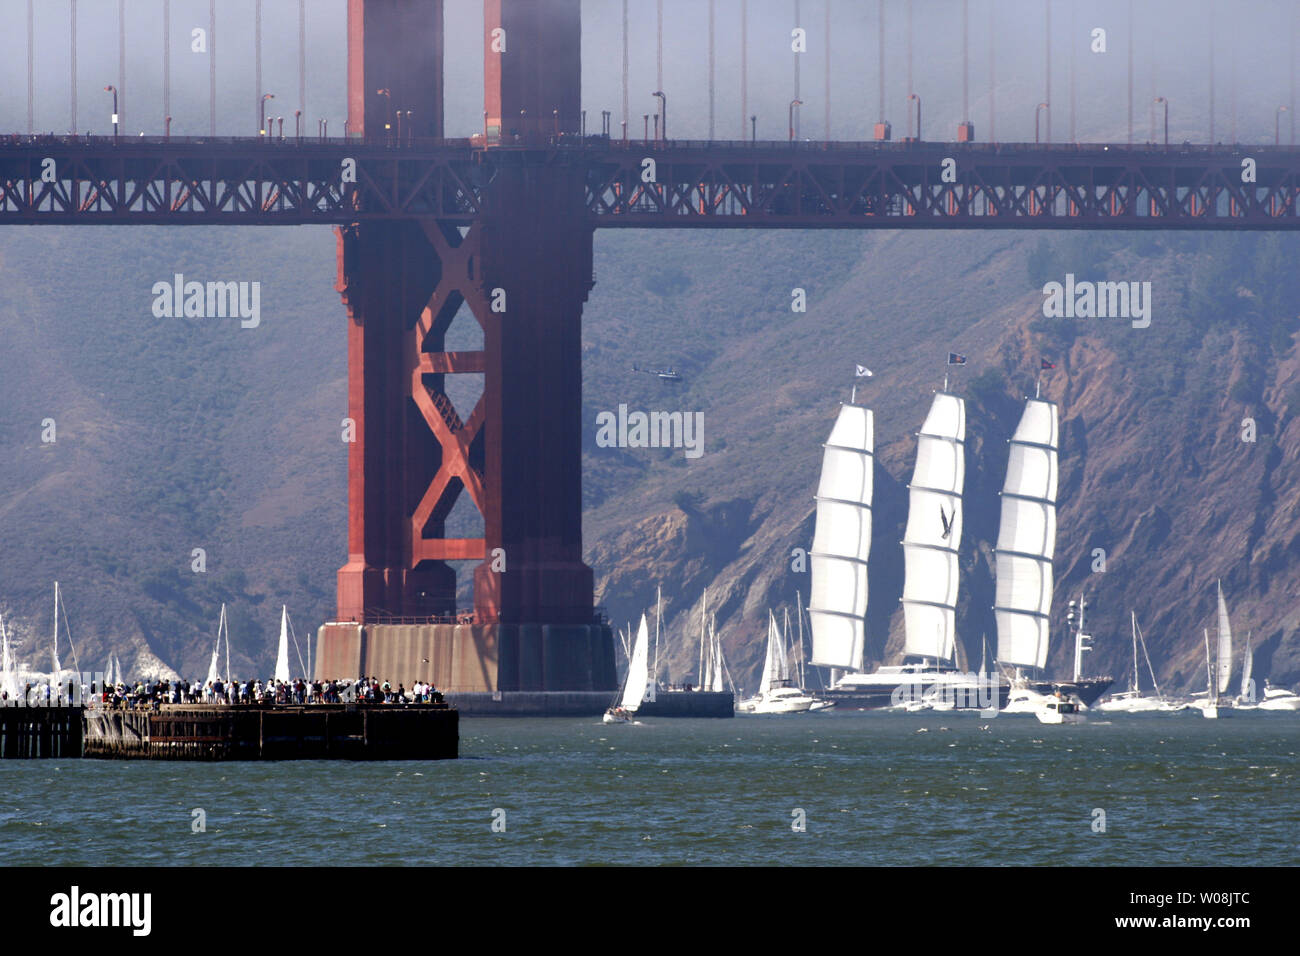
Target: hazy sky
point(1170, 46)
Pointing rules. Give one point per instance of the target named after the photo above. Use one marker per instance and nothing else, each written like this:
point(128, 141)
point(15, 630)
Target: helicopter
point(664, 374)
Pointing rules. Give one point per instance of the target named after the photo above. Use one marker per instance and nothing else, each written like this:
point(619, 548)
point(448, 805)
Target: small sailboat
point(638, 687)
point(1218, 678)
point(282, 655)
point(1246, 699)
point(1132, 700)
point(213, 672)
point(9, 675)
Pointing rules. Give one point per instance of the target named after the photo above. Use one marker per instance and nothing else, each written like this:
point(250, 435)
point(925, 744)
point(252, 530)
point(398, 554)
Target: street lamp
point(113, 90)
point(1164, 102)
point(914, 96)
point(646, 118)
point(387, 95)
point(167, 127)
point(793, 104)
point(297, 125)
point(753, 128)
point(261, 119)
point(1277, 116)
point(410, 128)
point(280, 132)
point(663, 110)
point(1037, 112)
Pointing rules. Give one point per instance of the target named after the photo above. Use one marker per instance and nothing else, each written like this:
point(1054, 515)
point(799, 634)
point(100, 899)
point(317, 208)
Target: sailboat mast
point(701, 672)
point(1134, 617)
point(1212, 695)
point(798, 603)
point(57, 669)
point(658, 614)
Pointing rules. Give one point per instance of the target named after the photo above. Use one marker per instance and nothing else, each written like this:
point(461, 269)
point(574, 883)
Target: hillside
point(175, 434)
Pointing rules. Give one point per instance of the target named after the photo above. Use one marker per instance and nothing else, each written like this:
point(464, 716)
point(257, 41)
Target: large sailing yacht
point(842, 543)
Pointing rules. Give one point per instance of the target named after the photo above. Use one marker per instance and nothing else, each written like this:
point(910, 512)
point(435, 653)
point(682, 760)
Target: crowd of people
point(150, 695)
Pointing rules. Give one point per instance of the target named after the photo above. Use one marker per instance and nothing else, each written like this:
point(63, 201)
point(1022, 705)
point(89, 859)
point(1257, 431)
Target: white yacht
point(841, 546)
point(776, 693)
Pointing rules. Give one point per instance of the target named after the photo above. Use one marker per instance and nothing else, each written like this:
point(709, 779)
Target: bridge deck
point(689, 184)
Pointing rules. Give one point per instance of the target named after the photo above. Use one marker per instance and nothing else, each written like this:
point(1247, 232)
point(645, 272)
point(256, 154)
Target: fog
point(1169, 45)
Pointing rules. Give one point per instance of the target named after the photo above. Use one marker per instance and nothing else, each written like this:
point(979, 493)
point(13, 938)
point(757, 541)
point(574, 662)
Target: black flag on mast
point(955, 359)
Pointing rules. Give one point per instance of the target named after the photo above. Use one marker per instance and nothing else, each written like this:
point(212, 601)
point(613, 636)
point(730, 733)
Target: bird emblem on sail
point(947, 523)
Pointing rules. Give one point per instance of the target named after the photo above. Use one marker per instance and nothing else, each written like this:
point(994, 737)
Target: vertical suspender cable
point(880, 58)
point(1211, 20)
point(744, 68)
point(73, 61)
point(257, 59)
point(965, 61)
point(1047, 53)
point(826, 32)
point(212, 67)
point(993, 78)
point(1130, 72)
point(31, 68)
point(1232, 80)
point(625, 107)
point(711, 64)
point(302, 76)
point(167, 58)
point(796, 72)
point(911, 87)
point(659, 44)
point(1073, 44)
point(121, 61)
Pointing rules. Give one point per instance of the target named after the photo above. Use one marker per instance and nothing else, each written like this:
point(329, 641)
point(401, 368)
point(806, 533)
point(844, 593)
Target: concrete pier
point(242, 732)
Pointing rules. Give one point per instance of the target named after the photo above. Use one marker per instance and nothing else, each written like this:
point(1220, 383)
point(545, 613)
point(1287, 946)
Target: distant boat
point(638, 687)
point(776, 693)
point(282, 655)
point(213, 671)
point(1132, 700)
point(1218, 678)
point(9, 674)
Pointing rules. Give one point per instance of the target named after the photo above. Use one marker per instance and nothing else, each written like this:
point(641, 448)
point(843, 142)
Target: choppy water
point(1176, 789)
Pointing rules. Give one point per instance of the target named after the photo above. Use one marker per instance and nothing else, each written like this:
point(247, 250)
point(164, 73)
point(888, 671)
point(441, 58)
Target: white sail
point(1225, 645)
point(216, 648)
point(841, 545)
point(1247, 668)
point(10, 678)
point(771, 659)
point(934, 531)
point(282, 656)
point(1027, 538)
point(637, 685)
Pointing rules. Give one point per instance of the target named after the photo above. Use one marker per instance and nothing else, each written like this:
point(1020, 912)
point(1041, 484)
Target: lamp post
point(261, 120)
point(1277, 127)
point(1037, 112)
point(297, 125)
point(663, 111)
point(646, 134)
point(753, 128)
point(167, 127)
point(1164, 102)
point(410, 128)
point(656, 119)
point(113, 90)
point(793, 104)
point(915, 96)
point(388, 96)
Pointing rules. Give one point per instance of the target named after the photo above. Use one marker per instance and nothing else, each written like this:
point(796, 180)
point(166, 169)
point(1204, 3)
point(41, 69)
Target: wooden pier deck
point(242, 732)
